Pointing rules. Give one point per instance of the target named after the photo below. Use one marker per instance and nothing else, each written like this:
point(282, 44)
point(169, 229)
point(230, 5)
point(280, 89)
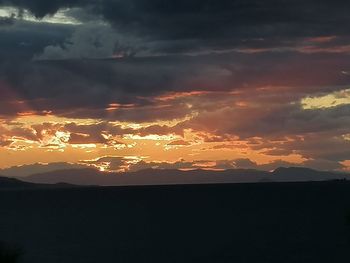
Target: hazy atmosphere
point(187, 131)
point(123, 86)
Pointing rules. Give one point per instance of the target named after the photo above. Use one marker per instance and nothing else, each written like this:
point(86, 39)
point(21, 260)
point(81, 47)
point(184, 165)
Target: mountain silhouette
point(26, 170)
point(164, 177)
point(6, 183)
point(282, 174)
point(13, 183)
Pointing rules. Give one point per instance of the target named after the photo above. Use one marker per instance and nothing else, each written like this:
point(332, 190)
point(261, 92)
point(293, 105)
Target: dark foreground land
point(289, 222)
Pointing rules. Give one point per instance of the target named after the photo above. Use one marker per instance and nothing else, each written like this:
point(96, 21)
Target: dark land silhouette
point(9, 253)
point(258, 222)
point(7, 183)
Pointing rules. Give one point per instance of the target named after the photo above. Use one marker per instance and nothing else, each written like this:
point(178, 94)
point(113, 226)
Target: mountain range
point(165, 177)
point(13, 183)
point(8, 183)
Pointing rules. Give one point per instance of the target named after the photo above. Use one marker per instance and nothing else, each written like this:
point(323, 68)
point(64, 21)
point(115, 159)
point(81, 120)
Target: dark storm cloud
point(41, 7)
point(206, 18)
point(22, 40)
point(85, 88)
point(191, 26)
point(256, 59)
point(155, 27)
point(226, 19)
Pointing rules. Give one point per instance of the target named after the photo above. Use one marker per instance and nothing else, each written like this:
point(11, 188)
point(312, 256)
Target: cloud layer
point(265, 83)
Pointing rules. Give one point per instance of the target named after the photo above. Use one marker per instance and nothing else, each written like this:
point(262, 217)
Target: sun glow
point(48, 118)
point(327, 101)
point(152, 137)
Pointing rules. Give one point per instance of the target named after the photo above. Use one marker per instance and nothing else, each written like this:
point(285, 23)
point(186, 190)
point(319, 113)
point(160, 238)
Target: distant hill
point(26, 170)
point(6, 183)
point(13, 183)
point(163, 177)
point(283, 174)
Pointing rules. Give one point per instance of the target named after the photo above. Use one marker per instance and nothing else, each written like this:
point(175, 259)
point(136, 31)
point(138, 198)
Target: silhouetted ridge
point(173, 176)
point(13, 183)
point(284, 170)
point(304, 174)
point(6, 182)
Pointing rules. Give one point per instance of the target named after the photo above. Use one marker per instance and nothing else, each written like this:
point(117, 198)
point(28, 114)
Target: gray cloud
point(7, 21)
point(256, 59)
point(195, 26)
point(23, 39)
point(93, 84)
point(90, 40)
point(196, 15)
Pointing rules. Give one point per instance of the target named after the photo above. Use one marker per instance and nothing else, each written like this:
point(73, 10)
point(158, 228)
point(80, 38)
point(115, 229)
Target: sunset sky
point(124, 85)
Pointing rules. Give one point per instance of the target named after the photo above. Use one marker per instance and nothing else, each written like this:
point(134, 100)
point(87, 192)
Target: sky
point(130, 85)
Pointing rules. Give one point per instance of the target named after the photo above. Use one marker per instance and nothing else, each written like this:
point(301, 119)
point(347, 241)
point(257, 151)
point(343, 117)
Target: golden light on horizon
point(58, 138)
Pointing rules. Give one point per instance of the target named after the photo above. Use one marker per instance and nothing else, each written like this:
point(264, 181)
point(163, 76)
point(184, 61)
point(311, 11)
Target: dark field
point(291, 222)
